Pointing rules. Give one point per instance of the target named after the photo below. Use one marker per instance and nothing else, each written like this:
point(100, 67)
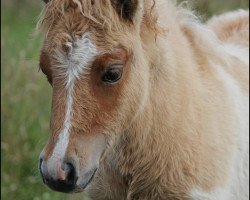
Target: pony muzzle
point(60, 175)
point(72, 171)
point(64, 176)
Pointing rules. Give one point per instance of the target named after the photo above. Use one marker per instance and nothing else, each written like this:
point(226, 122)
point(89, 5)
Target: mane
point(99, 12)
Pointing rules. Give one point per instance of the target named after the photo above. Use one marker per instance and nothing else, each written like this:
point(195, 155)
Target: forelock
point(99, 12)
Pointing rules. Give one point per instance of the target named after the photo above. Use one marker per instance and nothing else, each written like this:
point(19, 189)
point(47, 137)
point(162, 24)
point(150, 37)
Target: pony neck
point(171, 106)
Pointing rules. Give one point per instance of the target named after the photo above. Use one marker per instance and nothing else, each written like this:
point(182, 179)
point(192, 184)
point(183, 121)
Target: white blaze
point(71, 66)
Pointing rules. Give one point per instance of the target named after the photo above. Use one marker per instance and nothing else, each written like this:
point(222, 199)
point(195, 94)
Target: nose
point(62, 178)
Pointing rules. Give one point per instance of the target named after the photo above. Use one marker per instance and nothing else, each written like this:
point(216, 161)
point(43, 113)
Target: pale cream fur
point(182, 126)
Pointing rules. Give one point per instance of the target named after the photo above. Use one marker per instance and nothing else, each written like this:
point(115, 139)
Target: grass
point(25, 110)
point(207, 8)
point(26, 99)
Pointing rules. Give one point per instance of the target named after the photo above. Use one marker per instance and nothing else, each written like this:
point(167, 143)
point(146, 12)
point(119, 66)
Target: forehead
point(68, 29)
point(77, 52)
point(74, 32)
point(73, 23)
point(68, 35)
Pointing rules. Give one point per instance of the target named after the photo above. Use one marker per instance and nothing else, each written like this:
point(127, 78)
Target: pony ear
point(126, 9)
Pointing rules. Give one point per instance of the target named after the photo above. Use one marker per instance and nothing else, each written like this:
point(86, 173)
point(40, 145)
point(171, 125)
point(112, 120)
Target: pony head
point(94, 59)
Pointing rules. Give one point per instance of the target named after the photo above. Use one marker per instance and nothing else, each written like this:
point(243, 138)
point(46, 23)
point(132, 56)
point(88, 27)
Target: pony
point(148, 102)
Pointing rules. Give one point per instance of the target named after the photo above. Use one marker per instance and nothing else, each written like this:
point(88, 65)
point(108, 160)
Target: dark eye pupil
point(112, 75)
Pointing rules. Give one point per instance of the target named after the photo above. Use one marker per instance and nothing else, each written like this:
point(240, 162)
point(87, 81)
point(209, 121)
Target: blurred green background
point(26, 97)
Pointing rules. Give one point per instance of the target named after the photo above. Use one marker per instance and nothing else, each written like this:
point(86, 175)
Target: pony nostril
point(40, 167)
point(42, 172)
point(70, 173)
point(40, 164)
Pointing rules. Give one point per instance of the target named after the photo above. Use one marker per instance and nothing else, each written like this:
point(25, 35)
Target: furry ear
point(126, 9)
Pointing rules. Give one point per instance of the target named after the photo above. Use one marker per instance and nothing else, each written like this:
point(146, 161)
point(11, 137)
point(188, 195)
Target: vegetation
point(207, 8)
point(26, 98)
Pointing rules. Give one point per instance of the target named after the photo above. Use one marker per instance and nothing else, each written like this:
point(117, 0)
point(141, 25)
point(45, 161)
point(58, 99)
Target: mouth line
point(80, 189)
point(90, 179)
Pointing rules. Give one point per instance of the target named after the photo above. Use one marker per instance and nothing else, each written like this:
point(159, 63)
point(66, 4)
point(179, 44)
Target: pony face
point(99, 77)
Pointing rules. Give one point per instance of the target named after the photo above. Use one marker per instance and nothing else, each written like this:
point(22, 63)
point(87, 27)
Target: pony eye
point(112, 75)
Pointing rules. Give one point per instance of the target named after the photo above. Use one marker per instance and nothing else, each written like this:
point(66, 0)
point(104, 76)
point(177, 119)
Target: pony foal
point(148, 103)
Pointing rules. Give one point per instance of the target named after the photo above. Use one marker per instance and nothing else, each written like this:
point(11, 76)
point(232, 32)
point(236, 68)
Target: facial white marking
point(71, 66)
point(73, 63)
